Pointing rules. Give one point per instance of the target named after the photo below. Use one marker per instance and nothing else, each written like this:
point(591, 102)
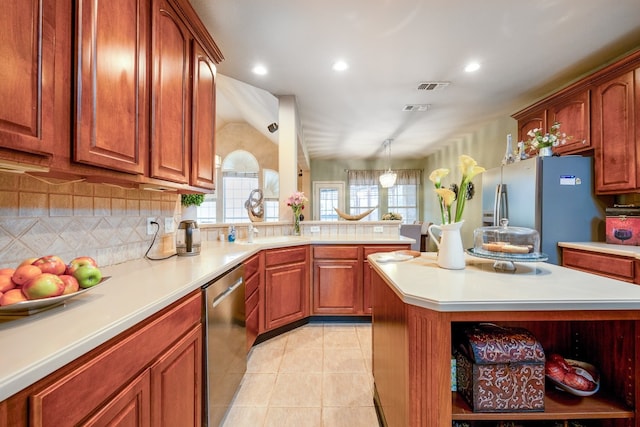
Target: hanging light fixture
point(388, 179)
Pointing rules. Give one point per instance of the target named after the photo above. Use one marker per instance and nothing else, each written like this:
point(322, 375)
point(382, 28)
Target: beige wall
point(242, 136)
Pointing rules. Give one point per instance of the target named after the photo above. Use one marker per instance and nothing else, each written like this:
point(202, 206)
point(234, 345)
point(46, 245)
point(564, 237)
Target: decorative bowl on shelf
point(583, 369)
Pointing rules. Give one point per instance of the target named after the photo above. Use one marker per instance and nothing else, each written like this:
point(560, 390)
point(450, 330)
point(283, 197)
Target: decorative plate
point(27, 308)
point(393, 257)
point(586, 370)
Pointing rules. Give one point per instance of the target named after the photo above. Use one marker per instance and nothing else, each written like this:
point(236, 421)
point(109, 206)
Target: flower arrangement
point(390, 216)
point(297, 201)
point(553, 138)
point(461, 193)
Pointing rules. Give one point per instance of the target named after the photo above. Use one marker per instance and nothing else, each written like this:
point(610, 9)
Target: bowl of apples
point(39, 284)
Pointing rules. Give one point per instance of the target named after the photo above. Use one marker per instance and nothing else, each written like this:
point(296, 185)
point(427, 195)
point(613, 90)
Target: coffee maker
point(188, 238)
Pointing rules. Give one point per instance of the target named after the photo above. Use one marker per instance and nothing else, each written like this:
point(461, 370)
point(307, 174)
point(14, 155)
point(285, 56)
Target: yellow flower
point(469, 168)
point(437, 175)
point(446, 195)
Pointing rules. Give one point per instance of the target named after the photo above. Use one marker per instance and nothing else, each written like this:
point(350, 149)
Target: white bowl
point(586, 370)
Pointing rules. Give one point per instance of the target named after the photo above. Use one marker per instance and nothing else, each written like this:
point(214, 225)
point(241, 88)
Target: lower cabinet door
point(130, 408)
point(286, 294)
point(176, 383)
point(336, 287)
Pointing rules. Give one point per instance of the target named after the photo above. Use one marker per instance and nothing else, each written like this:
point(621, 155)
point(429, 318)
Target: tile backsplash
point(73, 218)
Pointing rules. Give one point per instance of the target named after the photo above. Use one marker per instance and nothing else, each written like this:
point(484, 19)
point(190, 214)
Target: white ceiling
point(526, 48)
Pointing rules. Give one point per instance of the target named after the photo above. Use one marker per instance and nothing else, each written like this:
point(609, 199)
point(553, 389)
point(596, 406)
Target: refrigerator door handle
point(500, 207)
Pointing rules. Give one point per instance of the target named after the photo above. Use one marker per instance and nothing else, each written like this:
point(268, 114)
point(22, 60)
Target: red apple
point(70, 284)
point(43, 286)
point(27, 261)
point(6, 283)
point(11, 297)
point(7, 271)
point(87, 276)
point(25, 273)
point(50, 264)
point(81, 261)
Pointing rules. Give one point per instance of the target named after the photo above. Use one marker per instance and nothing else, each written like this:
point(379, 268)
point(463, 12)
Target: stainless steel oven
point(225, 343)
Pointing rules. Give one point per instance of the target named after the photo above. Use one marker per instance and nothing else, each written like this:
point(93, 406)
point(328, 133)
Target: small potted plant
point(190, 202)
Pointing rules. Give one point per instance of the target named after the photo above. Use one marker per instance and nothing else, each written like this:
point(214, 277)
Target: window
point(236, 188)
point(327, 195)
point(271, 193)
point(365, 193)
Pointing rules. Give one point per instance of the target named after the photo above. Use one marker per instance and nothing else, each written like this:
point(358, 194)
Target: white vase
point(449, 243)
point(545, 152)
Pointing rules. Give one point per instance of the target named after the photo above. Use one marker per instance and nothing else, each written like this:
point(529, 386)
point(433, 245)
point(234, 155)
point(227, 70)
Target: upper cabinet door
point(203, 120)
point(613, 134)
point(573, 115)
point(170, 117)
point(533, 120)
point(111, 121)
point(27, 31)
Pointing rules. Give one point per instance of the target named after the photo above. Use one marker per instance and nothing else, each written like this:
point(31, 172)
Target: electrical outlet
point(314, 228)
point(377, 229)
point(168, 225)
point(150, 227)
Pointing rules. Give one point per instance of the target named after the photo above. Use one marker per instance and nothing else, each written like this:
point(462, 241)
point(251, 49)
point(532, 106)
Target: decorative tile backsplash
point(46, 216)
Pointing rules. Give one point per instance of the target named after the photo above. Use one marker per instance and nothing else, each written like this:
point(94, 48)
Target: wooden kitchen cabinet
point(337, 280)
point(254, 289)
point(366, 270)
point(170, 107)
point(286, 296)
point(573, 114)
point(203, 113)
point(182, 101)
point(608, 265)
point(614, 130)
point(111, 117)
point(28, 33)
point(149, 375)
point(412, 363)
point(536, 119)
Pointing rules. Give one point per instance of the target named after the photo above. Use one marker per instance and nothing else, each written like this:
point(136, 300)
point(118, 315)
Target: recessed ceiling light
point(471, 67)
point(260, 70)
point(340, 66)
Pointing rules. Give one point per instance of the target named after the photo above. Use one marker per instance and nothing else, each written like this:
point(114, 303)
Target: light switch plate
point(377, 229)
point(314, 228)
point(168, 225)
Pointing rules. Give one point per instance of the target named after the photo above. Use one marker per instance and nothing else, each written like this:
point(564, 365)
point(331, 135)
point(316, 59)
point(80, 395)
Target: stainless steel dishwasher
point(225, 343)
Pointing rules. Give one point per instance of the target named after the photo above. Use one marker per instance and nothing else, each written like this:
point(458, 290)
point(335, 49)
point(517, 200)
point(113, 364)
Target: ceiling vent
point(416, 107)
point(433, 85)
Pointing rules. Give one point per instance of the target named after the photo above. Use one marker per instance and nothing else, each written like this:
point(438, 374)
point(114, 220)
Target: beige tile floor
point(318, 375)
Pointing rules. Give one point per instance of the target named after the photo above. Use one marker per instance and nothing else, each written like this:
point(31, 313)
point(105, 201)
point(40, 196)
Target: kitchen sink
point(270, 240)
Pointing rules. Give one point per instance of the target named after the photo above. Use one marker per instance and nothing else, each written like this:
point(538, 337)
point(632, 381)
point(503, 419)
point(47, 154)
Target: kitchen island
point(418, 308)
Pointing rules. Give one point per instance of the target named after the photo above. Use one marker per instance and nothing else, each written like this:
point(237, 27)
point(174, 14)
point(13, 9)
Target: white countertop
point(35, 346)
point(606, 248)
point(533, 286)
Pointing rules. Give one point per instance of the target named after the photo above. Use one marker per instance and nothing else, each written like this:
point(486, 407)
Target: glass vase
point(296, 224)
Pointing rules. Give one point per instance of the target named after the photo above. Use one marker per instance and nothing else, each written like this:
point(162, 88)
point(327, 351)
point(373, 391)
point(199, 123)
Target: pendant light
point(388, 179)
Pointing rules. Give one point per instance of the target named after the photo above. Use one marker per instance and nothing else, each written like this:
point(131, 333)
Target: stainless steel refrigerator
point(553, 195)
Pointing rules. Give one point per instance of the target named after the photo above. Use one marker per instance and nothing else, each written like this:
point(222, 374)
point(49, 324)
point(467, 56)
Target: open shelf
point(558, 406)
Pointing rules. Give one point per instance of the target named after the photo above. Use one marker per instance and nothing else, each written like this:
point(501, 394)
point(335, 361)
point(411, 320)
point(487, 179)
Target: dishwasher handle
point(217, 300)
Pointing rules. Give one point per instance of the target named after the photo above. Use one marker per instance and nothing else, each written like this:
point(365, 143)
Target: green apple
point(78, 262)
point(87, 276)
point(43, 286)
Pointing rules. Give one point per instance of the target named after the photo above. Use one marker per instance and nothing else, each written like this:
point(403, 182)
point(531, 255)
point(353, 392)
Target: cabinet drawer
point(251, 284)
point(617, 267)
point(285, 256)
point(251, 266)
point(335, 252)
point(252, 301)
